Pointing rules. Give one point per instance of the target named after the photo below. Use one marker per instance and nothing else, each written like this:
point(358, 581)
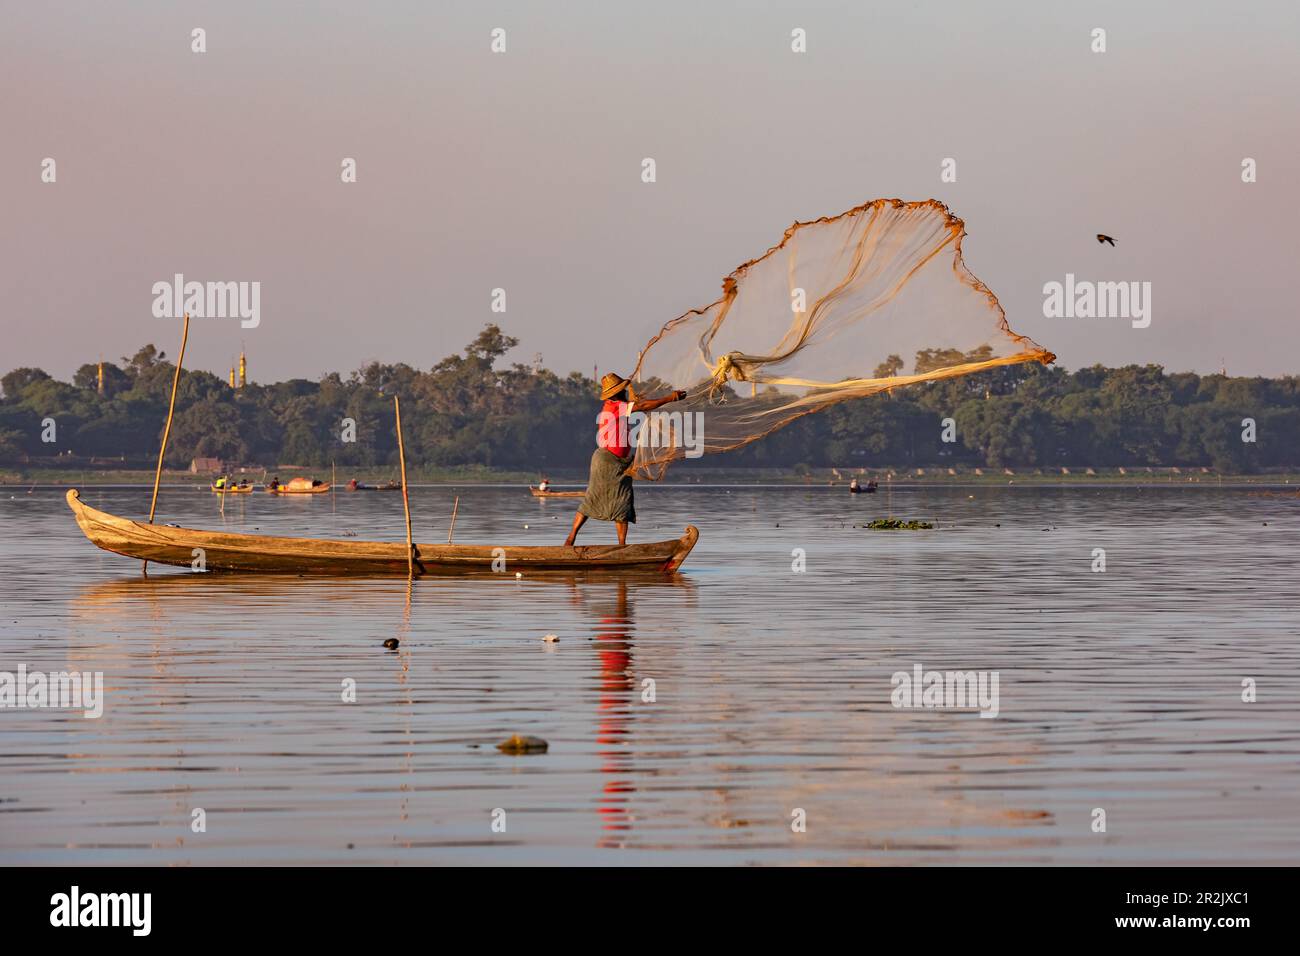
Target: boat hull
point(223, 551)
point(538, 493)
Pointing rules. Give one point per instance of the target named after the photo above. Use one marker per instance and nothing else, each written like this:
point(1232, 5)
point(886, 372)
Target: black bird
point(1101, 238)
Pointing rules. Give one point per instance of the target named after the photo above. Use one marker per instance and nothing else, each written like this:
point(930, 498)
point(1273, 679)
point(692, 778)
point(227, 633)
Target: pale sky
point(522, 170)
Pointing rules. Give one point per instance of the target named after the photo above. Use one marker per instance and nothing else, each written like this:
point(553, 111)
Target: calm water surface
point(1118, 690)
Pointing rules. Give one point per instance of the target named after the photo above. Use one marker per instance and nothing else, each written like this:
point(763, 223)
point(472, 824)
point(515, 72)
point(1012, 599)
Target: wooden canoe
point(320, 489)
point(223, 551)
point(538, 493)
point(233, 490)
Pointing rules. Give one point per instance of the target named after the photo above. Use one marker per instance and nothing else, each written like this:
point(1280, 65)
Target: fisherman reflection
point(614, 709)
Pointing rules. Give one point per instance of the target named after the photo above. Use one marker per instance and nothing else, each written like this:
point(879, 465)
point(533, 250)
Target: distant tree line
point(466, 410)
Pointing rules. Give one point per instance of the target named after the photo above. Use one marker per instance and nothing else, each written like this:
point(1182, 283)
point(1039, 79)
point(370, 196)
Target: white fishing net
point(873, 299)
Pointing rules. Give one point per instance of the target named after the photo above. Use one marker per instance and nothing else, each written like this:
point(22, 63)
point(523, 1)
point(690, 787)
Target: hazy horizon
point(522, 170)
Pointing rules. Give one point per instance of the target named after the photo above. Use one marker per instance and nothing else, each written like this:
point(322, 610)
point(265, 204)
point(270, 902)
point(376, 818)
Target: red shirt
point(611, 433)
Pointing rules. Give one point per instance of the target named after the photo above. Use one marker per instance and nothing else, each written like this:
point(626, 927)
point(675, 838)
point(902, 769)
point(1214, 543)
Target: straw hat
point(611, 385)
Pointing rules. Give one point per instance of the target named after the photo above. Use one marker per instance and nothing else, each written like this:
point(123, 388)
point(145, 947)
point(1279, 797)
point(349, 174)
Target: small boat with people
point(223, 486)
point(548, 493)
point(354, 485)
point(297, 486)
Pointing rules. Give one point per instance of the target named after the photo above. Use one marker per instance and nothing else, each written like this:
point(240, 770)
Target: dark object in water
point(519, 744)
point(898, 524)
point(354, 485)
point(391, 643)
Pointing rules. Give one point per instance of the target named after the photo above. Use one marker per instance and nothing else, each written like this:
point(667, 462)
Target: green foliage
point(466, 411)
point(898, 524)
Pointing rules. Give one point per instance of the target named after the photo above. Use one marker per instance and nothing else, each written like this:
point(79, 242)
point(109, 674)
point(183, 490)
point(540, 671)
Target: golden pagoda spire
point(243, 367)
point(99, 378)
point(232, 376)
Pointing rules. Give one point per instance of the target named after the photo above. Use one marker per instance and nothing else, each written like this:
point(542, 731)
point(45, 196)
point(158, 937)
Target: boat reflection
point(243, 625)
point(611, 611)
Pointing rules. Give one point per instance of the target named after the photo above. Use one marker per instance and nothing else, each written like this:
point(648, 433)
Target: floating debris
point(519, 744)
point(898, 524)
point(392, 643)
point(1027, 814)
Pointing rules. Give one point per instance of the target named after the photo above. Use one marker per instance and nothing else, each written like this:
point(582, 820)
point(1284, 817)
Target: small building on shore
point(199, 465)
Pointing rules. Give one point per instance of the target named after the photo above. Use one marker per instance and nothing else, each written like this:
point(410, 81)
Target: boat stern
point(684, 546)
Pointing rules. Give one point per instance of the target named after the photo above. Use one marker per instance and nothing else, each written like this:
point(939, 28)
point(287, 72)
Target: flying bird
point(1101, 238)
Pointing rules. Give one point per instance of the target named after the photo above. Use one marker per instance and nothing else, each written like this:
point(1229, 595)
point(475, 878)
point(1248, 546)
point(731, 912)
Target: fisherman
point(275, 483)
point(609, 487)
point(544, 484)
point(221, 482)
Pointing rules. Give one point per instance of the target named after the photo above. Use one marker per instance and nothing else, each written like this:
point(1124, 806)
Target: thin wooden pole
point(406, 501)
point(452, 530)
point(167, 429)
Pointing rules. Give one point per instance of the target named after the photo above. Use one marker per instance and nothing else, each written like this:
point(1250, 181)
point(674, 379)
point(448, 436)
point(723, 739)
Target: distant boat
point(539, 493)
point(224, 551)
point(244, 489)
point(355, 485)
point(300, 486)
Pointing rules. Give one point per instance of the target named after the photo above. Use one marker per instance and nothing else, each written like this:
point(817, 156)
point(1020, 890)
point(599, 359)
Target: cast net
point(873, 299)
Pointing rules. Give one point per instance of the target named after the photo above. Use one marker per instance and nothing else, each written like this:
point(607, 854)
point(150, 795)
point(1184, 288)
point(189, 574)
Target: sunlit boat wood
point(223, 551)
point(300, 486)
point(539, 493)
point(233, 490)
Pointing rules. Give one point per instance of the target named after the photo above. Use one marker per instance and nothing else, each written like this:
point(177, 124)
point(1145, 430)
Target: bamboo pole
point(406, 501)
point(455, 505)
point(167, 429)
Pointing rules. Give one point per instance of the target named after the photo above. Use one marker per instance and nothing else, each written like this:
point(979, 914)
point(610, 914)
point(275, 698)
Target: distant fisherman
point(609, 487)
